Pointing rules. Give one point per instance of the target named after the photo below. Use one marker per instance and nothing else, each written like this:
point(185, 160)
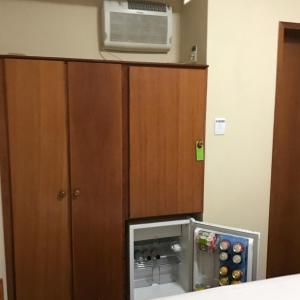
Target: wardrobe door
point(95, 103)
point(167, 120)
point(36, 107)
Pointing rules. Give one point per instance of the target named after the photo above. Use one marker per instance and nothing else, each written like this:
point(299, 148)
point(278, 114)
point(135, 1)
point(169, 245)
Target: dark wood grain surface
point(96, 138)
point(1, 290)
point(122, 62)
point(36, 105)
point(167, 117)
point(125, 139)
point(284, 222)
point(6, 188)
point(99, 121)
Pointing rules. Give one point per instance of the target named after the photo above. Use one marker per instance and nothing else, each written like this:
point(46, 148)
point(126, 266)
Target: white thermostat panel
point(220, 126)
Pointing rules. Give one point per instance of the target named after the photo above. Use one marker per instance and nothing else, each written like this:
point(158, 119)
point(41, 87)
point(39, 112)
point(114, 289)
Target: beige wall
point(242, 49)
point(193, 21)
point(67, 28)
point(241, 52)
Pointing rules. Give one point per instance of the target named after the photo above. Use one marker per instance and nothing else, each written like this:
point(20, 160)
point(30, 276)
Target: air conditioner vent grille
point(137, 25)
point(131, 28)
point(146, 5)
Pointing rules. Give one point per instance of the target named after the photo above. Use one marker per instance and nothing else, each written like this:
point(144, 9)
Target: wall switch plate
point(194, 54)
point(220, 126)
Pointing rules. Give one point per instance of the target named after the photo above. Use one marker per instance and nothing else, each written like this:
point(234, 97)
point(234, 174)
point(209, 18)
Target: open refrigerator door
point(223, 255)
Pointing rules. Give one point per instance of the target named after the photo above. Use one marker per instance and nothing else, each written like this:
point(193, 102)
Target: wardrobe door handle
point(199, 144)
point(76, 193)
point(61, 195)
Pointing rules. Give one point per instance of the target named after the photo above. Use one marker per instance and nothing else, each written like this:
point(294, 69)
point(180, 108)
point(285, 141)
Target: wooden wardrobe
point(85, 146)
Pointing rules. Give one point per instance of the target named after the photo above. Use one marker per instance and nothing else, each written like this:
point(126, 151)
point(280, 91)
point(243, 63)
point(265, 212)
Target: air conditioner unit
point(137, 26)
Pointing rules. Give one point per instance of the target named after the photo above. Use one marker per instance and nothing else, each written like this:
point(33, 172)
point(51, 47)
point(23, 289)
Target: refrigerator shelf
point(163, 261)
point(143, 265)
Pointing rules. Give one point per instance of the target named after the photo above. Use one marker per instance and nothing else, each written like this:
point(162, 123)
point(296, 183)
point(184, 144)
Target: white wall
point(242, 54)
point(67, 28)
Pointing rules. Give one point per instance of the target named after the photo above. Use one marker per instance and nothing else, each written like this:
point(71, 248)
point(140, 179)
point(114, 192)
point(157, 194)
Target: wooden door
point(167, 117)
point(284, 221)
point(95, 102)
point(36, 107)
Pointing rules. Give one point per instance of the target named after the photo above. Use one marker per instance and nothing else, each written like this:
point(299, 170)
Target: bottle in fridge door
point(174, 257)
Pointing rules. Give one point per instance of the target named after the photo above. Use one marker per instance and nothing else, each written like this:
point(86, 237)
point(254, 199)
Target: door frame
point(283, 28)
point(6, 189)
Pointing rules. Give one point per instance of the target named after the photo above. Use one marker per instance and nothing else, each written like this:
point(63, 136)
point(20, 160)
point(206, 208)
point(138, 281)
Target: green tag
point(199, 151)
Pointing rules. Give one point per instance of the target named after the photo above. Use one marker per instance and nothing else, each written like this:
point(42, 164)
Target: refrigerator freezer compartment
point(160, 232)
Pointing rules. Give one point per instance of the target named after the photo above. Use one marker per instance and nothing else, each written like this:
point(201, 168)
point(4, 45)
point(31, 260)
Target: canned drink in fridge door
point(224, 281)
point(237, 259)
point(223, 256)
point(224, 245)
point(238, 248)
point(223, 271)
point(237, 275)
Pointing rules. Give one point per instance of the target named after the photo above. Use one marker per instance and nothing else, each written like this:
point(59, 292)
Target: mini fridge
point(174, 257)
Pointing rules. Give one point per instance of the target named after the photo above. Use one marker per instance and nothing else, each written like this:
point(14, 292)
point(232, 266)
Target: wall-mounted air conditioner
point(137, 26)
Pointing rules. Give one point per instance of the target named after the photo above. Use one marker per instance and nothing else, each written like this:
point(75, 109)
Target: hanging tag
point(199, 151)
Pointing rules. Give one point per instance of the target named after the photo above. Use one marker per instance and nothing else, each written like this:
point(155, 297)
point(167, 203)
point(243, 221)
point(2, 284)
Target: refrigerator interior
point(160, 259)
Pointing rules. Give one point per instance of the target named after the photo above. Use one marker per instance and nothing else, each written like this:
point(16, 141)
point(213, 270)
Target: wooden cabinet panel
point(167, 117)
point(95, 103)
point(36, 106)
